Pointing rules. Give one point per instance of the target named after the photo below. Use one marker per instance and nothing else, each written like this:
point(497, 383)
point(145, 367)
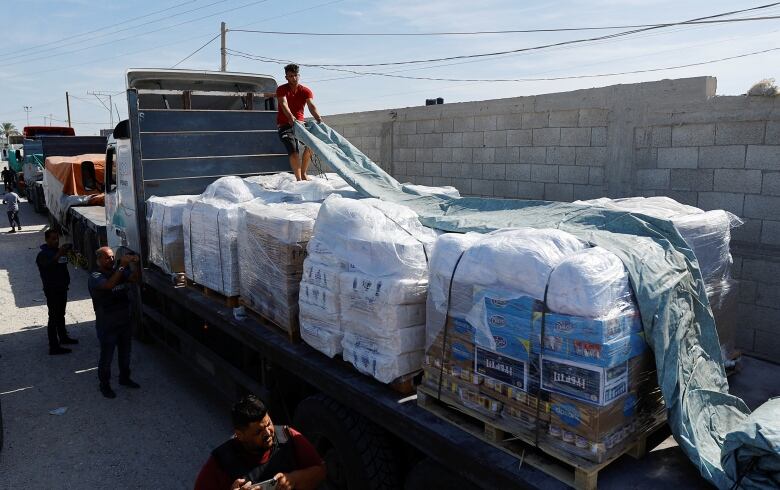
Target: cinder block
point(571, 174)
point(484, 155)
point(645, 158)
point(596, 176)
point(463, 124)
point(653, 137)
point(691, 180)
point(509, 121)
point(738, 180)
point(452, 140)
point(678, 157)
point(462, 155)
point(481, 187)
point(652, 179)
point(598, 136)
point(763, 157)
point(564, 119)
point(722, 157)
point(591, 156)
point(433, 141)
point(494, 171)
point(504, 188)
point(593, 117)
point(425, 126)
point(406, 154)
point(495, 138)
point(576, 137)
point(771, 184)
point(693, 135)
point(471, 170)
point(442, 154)
point(450, 170)
point(761, 271)
point(414, 168)
point(485, 123)
point(519, 137)
point(586, 192)
point(762, 207)
point(352, 131)
point(772, 133)
point(559, 192)
point(722, 200)
point(443, 125)
point(423, 154)
point(532, 155)
point(463, 186)
point(415, 141)
point(749, 232)
point(768, 343)
point(507, 155)
point(399, 168)
point(530, 190)
point(532, 120)
point(770, 234)
point(690, 198)
point(518, 171)
point(740, 133)
point(544, 173)
point(547, 137)
point(432, 169)
point(374, 130)
point(423, 180)
point(441, 181)
point(474, 139)
point(561, 155)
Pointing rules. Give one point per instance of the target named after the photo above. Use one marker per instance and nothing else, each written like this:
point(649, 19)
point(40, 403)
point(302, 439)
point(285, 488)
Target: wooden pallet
point(406, 385)
point(293, 334)
point(568, 468)
point(229, 301)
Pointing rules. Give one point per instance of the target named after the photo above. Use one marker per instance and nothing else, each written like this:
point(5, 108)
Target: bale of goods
point(166, 232)
point(271, 249)
point(366, 281)
point(538, 332)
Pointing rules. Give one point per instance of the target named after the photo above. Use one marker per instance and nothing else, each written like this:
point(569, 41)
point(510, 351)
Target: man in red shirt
point(260, 451)
point(291, 99)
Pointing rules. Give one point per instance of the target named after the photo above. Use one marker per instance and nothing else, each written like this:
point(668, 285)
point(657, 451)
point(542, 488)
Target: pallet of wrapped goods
point(166, 232)
point(210, 225)
point(271, 249)
point(371, 256)
point(535, 338)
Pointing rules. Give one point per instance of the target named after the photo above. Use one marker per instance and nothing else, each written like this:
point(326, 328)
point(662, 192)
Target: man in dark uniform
point(108, 287)
point(6, 178)
point(260, 451)
point(53, 266)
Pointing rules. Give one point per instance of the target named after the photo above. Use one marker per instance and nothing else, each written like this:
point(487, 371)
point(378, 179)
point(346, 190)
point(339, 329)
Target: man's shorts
point(287, 136)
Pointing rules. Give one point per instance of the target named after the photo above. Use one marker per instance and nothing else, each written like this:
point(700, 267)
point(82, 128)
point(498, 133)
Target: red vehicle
point(32, 132)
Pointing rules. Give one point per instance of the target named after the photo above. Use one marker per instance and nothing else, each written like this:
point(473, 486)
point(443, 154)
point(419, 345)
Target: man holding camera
point(53, 266)
point(108, 287)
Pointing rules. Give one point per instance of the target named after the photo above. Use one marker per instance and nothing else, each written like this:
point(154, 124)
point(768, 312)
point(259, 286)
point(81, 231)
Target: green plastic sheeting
point(716, 430)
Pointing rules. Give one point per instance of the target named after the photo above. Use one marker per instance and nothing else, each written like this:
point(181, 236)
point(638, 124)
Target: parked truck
point(185, 129)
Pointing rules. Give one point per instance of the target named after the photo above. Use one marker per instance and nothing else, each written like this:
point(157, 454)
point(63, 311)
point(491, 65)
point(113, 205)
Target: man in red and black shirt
point(260, 451)
point(291, 99)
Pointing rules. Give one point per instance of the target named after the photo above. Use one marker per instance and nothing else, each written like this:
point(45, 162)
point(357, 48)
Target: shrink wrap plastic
point(211, 224)
point(166, 232)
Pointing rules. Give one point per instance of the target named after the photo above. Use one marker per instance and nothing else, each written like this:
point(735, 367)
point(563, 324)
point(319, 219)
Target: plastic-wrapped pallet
point(271, 249)
point(319, 302)
point(379, 251)
point(166, 234)
point(282, 187)
point(211, 223)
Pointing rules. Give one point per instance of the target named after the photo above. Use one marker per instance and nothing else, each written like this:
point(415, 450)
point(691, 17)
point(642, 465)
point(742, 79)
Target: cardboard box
point(612, 353)
point(585, 382)
point(501, 368)
point(586, 329)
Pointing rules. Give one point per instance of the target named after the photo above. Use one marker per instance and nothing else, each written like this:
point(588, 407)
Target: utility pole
point(67, 104)
point(223, 49)
point(27, 109)
point(51, 117)
point(99, 96)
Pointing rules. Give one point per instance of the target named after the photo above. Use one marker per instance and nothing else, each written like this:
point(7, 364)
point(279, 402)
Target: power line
point(534, 48)
point(196, 51)
point(479, 33)
point(542, 79)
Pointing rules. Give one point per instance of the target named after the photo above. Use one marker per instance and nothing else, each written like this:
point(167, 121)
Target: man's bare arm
point(313, 110)
point(282, 101)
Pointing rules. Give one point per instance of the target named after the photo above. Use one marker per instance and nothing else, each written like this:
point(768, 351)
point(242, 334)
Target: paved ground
point(156, 437)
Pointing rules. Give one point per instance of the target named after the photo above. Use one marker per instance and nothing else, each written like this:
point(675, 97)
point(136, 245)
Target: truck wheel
point(430, 475)
point(356, 452)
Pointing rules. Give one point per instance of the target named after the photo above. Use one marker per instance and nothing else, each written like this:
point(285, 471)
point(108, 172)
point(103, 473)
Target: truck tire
point(430, 475)
point(356, 452)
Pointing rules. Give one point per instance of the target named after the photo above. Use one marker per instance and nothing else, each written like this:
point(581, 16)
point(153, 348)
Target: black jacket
point(54, 274)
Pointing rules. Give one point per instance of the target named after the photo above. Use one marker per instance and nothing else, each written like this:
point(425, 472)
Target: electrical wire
point(481, 33)
point(532, 48)
point(541, 79)
point(196, 51)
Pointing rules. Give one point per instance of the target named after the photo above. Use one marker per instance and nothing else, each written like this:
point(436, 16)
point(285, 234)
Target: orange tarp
point(68, 171)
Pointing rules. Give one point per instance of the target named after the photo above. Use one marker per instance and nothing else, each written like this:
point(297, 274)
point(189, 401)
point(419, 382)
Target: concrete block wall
point(672, 138)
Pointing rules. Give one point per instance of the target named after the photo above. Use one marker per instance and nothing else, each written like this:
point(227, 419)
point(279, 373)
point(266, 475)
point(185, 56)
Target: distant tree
point(8, 129)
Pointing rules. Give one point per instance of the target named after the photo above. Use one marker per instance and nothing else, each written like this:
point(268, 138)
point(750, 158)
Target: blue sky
point(82, 45)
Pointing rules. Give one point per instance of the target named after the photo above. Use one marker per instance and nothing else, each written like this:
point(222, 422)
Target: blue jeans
point(111, 337)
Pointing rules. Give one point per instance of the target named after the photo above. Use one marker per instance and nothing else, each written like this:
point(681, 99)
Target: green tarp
point(716, 430)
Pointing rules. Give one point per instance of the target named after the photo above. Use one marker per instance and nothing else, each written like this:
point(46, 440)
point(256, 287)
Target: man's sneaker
point(129, 383)
point(20, 228)
point(13, 230)
point(54, 351)
point(69, 341)
point(107, 391)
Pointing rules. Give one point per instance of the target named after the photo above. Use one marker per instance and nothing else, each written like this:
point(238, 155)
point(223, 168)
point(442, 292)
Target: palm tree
point(8, 129)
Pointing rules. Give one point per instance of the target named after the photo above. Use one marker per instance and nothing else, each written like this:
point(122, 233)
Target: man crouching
point(259, 452)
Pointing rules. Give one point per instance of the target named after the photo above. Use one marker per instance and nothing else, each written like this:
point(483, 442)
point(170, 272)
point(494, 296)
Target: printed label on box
point(501, 368)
